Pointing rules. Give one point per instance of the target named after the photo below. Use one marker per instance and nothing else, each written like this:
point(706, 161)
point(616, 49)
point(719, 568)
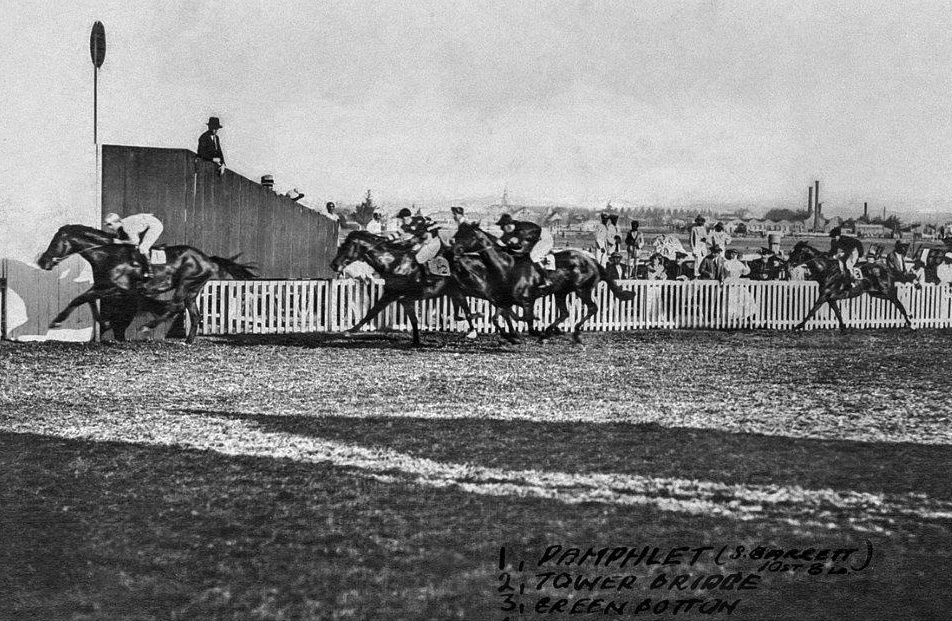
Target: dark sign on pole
point(97, 44)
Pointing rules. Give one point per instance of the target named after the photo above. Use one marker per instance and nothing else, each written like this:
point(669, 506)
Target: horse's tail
point(238, 271)
point(621, 294)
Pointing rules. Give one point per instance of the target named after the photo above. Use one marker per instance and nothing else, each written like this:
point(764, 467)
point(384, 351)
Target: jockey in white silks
point(141, 230)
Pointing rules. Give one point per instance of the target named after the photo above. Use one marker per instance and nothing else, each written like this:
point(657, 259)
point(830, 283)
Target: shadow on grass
point(444, 342)
point(648, 450)
point(112, 530)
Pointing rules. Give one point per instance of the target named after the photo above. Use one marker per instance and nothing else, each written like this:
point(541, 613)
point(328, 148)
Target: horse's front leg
point(816, 306)
point(89, 297)
point(385, 300)
point(839, 315)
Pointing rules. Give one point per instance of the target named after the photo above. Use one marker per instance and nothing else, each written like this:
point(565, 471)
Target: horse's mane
point(81, 230)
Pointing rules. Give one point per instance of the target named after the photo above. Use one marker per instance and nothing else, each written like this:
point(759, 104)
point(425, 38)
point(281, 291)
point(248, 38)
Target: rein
point(59, 260)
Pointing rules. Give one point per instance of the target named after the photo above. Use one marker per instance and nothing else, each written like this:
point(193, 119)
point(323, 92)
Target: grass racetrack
point(311, 477)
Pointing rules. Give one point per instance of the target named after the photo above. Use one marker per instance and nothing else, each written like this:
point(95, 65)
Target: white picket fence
point(286, 306)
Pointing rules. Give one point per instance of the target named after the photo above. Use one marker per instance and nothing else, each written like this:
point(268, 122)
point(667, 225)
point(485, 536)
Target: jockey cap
point(504, 219)
point(112, 218)
point(404, 213)
point(457, 210)
point(836, 231)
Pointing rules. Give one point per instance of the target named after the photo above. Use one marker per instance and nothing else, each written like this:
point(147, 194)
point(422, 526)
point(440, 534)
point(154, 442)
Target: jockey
point(422, 233)
point(458, 215)
point(847, 250)
point(140, 230)
point(521, 238)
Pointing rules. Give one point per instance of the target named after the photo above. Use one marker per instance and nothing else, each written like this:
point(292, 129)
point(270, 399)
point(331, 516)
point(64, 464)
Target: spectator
point(602, 240)
point(267, 181)
point(919, 274)
point(710, 268)
point(634, 241)
point(896, 260)
point(209, 146)
point(699, 244)
point(330, 212)
point(615, 269)
point(375, 226)
point(720, 237)
point(656, 270)
point(944, 270)
point(733, 268)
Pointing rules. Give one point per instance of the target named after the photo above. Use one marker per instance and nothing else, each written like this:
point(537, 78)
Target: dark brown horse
point(507, 281)
point(404, 280)
point(877, 281)
point(118, 273)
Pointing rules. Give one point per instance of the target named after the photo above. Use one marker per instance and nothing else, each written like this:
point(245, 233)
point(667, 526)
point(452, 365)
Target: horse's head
point(801, 253)
point(68, 240)
point(353, 249)
point(470, 239)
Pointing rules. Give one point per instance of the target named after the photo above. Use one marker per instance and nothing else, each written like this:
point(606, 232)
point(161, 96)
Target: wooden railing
point(286, 306)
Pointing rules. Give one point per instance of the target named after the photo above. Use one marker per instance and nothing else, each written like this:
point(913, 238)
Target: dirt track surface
point(314, 477)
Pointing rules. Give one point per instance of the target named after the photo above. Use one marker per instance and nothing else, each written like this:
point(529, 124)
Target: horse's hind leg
point(192, 321)
point(528, 315)
point(461, 304)
point(839, 315)
point(585, 295)
point(893, 297)
point(410, 309)
point(561, 305)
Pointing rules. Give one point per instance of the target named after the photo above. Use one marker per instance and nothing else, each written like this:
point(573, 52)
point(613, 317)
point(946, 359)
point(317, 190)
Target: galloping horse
point(877, 281)
point(117, 272)
point(404, 280)
point(508, 281)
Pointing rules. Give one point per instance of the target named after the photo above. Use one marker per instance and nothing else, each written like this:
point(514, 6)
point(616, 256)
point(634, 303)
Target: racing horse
point(405, 281)
point(118, 273)
point(877, 280)
point(507, 281)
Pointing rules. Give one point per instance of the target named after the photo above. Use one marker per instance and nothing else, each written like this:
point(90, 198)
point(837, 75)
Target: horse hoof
point(471, 334)
point(346, 334)
point(54, 325)
point(144, 329)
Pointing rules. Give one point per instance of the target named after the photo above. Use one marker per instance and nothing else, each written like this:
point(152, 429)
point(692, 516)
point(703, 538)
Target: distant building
point(871, 230)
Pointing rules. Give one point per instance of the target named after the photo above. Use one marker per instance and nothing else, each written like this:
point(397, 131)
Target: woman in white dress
point(654, 304)
point(740, 303)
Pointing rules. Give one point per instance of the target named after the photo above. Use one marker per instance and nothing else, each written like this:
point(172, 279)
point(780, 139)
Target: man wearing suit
point(896, 260)
point(209, 146)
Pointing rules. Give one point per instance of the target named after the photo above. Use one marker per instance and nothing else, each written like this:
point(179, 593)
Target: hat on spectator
point(457, 210)
point(948, 255)
point(700, 219)
point(836, 231)
point(901, 244)
point(214, 123)
point(267, 181)
point(716, 248)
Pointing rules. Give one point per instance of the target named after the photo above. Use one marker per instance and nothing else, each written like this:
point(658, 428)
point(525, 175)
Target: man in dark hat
point(896, 260)
point(209, 147)
point(526, 239)
point(845, 249)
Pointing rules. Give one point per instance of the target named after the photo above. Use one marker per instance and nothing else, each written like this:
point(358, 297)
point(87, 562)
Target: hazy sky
point(569, 101)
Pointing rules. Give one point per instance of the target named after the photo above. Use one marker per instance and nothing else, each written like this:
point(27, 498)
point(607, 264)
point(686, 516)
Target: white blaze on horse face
point(385, 259)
